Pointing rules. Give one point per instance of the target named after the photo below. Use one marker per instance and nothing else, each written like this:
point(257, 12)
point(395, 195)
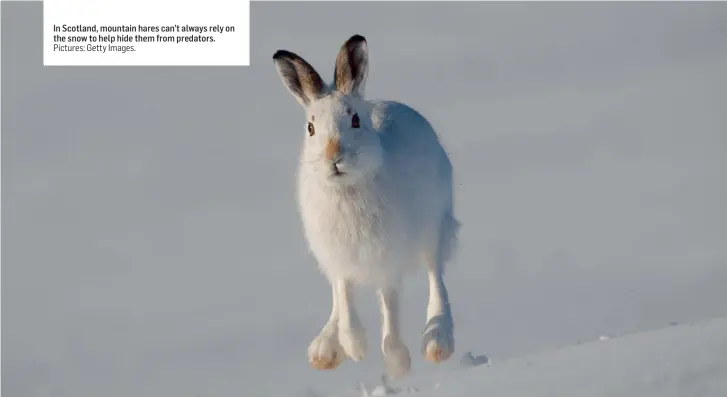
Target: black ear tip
point(355, 39)
point(280, 54)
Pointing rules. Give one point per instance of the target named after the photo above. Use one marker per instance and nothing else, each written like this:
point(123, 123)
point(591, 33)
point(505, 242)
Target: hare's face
point(340, 144)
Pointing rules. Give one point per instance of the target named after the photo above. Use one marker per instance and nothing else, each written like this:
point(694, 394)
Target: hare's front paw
point(353, 341)
point(438, 338)
point(325, 352)
point(396, 357)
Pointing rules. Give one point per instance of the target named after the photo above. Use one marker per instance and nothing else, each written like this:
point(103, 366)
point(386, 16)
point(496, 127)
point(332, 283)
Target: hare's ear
point(299, 77)
point(352, 65)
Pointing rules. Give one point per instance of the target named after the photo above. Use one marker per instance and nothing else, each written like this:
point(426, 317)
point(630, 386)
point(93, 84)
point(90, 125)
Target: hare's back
point(418, 174)
point(409, 140)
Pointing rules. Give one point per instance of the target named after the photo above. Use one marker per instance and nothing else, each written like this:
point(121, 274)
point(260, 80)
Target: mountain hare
point(375, 197)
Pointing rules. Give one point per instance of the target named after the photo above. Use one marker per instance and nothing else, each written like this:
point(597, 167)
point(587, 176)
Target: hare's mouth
point(336, 172)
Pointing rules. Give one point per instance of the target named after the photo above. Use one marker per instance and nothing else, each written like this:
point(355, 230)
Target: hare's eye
point(355, 122)
point(311, 129)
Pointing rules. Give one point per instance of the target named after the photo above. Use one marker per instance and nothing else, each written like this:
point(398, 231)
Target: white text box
point(146, 32)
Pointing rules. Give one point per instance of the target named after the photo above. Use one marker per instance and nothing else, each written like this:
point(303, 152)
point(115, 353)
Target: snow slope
point(686, 360)
point(151, 245)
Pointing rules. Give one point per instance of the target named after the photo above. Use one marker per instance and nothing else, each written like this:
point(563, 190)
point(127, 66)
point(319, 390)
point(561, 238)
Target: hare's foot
point(396, 354)
point(396, 357)
point(353, 342)
point(438, 338)
point(325, 352)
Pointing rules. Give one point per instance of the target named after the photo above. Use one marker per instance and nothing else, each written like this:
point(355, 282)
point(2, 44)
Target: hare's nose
point(332, 151)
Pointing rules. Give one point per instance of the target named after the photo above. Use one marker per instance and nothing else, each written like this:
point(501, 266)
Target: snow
point(151, 245)
point(687, 360)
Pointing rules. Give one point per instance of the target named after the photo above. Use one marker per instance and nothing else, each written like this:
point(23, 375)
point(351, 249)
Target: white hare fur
point(375, 196)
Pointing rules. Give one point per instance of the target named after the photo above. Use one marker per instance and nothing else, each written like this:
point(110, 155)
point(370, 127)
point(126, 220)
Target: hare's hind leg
point(396, 354)
point(438, 336)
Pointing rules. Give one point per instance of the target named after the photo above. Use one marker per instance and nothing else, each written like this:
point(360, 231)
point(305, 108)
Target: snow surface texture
point(151, 245)
point(687, 360)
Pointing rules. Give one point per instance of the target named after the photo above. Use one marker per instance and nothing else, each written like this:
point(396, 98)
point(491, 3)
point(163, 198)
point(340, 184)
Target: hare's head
point(341, 145)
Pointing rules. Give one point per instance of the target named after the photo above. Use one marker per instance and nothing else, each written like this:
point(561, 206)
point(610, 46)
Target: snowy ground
point(687, 360)
point(151, 245)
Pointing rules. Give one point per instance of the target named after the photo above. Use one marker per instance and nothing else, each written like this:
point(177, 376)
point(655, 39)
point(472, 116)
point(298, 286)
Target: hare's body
point(375, 195)
point(376, 230)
